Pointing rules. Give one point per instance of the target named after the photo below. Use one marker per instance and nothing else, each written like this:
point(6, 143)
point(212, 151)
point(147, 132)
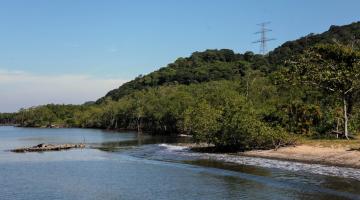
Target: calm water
point(127, 166)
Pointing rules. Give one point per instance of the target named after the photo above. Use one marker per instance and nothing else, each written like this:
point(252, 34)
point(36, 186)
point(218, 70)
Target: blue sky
point(109, 42)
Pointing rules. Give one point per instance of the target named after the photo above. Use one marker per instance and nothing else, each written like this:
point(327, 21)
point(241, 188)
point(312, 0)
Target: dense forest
point(308, 87)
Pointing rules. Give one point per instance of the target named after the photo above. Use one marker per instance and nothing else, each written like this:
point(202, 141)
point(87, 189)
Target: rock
point(48, 147)
point(41, 145)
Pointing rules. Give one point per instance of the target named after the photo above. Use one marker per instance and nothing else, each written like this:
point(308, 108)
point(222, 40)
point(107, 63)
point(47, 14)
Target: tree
point(332, 68)
point(138, 109)
point(203, 121)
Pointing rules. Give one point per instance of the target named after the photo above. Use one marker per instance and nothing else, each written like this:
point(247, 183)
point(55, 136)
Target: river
point(125, 165)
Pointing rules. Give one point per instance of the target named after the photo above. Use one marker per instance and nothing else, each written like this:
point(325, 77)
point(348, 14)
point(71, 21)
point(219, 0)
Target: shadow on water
point(301, 178)
point(308, 186)
point(299, 185)
point(139, 140)
point(229, 166)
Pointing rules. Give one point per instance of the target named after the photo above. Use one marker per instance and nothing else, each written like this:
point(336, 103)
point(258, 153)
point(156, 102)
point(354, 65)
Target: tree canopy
point(332, 68)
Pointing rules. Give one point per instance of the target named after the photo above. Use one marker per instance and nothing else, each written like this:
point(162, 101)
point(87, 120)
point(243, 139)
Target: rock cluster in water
point(48, 147)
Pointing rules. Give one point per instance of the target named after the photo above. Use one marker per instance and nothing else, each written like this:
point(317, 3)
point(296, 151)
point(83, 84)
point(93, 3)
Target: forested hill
point(346, 34)
point(210, 65)
point(224, 64)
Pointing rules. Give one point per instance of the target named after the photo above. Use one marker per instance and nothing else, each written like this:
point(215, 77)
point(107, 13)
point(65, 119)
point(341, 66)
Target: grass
point(353, 144)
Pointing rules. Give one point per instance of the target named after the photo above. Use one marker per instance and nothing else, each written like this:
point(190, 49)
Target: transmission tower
point(263, 39)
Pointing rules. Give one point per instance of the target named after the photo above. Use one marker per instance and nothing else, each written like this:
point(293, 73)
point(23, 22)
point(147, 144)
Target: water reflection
point(14, 137)
point(139, 140)
point(230, 166)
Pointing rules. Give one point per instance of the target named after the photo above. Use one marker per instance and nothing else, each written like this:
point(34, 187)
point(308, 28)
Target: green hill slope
point(224, 64)
point(210, 65)
point(346, 34)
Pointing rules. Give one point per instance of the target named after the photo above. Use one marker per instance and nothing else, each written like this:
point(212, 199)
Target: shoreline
point(304, 153)
point(330, 156)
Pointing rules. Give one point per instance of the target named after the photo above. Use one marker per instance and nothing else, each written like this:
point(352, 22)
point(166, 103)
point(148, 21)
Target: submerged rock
point(48, 147)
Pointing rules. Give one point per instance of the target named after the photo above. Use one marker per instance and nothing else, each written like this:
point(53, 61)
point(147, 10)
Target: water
point(127, 166)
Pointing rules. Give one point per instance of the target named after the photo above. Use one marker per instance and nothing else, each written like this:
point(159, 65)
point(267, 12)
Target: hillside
point(210, 65)
point(346, 34)
point(224, 64)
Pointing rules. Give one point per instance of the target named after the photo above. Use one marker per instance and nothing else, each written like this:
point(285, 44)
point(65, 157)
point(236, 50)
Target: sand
point(336, 156)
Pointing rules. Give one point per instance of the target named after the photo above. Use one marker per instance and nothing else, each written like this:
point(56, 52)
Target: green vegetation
point(7, 118)
point(210, 65)
point(332, 68)
point(309, 87)
point(346, 35)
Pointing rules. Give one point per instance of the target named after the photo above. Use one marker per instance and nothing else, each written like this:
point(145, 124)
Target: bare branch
point(349, 90)
point(318, 85)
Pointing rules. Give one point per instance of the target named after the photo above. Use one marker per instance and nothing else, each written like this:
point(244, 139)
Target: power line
point(263, 39)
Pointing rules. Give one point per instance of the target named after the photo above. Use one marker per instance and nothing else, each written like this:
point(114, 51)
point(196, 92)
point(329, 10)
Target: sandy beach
point(334, 153)
point(337, 156)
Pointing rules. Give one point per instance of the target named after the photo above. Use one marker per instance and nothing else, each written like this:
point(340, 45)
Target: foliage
point(334, 69)
point(233, 126)
point(210, 65)
point(347, 35)
point(7, 118)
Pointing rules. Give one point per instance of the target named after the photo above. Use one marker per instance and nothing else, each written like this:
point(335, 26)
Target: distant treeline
point(7, 118)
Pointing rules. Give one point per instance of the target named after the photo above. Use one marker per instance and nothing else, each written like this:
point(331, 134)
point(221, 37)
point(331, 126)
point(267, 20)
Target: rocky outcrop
point(48, 147)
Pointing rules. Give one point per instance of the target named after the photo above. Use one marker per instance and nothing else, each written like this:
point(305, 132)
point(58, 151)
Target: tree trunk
point(139, 125)
point(112, 122)
point(345, 119)
point(337, 127)
point(247, 89)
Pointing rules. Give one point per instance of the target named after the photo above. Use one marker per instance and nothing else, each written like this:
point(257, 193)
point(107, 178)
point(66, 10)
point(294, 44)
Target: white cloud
point(21, 89)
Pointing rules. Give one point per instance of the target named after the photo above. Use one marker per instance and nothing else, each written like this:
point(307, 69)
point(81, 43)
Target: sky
point(73, 51)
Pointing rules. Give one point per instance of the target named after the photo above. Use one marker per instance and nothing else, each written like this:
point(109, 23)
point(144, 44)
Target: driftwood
point(340, 134)
point(48, 147)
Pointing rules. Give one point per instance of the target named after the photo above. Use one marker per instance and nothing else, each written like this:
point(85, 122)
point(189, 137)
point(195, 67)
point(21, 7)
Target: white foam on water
point(169, 147)
point(267, 163)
